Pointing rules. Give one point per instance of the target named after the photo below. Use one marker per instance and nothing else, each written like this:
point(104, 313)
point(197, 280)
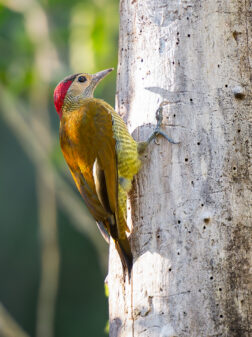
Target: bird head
point(76, 87)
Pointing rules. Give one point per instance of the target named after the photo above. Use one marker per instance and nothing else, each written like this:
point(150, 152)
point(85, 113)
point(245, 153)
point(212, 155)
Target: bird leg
point(159, 117)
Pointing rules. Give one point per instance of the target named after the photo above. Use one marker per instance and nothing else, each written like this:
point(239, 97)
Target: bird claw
point(157, 131)
point(159, 113)
point(159, 118)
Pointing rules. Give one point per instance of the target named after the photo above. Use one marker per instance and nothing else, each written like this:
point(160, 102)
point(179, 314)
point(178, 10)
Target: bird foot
point(157, 131)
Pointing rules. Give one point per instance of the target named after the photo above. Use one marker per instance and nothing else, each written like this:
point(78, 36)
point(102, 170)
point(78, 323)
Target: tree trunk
point(190, 204)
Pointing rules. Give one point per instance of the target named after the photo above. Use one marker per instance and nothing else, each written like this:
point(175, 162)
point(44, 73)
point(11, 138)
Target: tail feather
point(124, 251)
point(103, 231)
point(121, 243)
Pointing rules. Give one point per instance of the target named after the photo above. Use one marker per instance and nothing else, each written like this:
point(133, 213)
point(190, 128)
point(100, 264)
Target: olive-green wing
point(80, 159)
point(105, 172)
point(93, 163)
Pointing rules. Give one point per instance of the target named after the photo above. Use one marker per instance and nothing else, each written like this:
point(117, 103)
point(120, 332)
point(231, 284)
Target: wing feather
point(89, 147)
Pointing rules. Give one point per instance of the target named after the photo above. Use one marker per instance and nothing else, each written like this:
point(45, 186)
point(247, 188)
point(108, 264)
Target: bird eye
point(82, 79)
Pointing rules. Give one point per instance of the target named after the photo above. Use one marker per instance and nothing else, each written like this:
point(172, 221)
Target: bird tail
point(103, 230)
point(124, 251)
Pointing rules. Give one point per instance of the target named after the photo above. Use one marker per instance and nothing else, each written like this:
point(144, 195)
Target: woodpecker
point(101, 154)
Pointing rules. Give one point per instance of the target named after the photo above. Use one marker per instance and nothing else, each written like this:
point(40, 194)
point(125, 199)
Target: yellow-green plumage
point(101, 154)
point(128, 163)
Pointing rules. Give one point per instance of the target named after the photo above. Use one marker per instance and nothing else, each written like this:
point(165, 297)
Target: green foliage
point(16, 53)
point(39, 46)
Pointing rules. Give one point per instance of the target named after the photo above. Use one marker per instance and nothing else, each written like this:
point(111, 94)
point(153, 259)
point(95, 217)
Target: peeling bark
point(190, 206)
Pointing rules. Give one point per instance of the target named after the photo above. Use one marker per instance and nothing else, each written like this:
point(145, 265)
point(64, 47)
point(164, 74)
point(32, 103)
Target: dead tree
point(190, 206)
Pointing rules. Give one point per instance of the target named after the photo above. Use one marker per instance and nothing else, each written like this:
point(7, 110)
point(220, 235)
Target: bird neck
point(74, 102)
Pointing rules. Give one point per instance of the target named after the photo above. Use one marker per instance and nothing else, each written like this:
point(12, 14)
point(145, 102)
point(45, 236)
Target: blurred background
point(53, 260)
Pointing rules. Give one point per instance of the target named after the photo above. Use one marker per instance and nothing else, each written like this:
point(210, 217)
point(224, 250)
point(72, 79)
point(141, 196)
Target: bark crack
point(247, 40)
point(131, 304)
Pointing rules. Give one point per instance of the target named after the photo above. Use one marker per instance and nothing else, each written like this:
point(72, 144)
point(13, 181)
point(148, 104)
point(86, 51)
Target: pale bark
point(190, 207)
